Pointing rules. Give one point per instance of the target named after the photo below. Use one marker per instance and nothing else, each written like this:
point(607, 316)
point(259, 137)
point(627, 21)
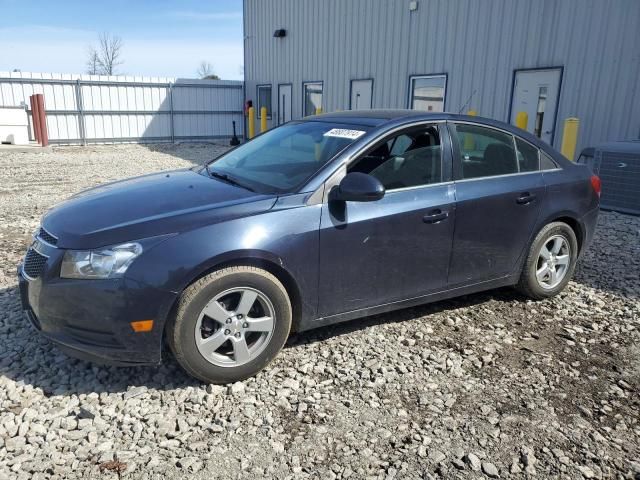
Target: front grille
point(34, 264)
point(47, 237)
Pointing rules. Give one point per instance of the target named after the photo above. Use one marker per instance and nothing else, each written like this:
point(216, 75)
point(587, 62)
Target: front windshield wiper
point(227, 178)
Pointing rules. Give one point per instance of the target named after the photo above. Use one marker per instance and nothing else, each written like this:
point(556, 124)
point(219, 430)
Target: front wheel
point(230, 324)
point(550, 263)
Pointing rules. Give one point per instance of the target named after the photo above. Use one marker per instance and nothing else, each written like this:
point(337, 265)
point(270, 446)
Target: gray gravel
point(486, 386)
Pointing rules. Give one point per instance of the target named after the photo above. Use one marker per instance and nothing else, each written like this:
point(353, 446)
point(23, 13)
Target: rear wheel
point(550, 263)
point(230, 324)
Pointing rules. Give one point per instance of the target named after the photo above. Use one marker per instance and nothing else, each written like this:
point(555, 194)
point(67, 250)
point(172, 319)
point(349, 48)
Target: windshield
point(284, 158)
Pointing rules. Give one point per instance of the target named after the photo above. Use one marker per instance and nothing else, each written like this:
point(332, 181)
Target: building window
point(264, 99)
point(542, 104)
point(427, 92)
point(312, 93)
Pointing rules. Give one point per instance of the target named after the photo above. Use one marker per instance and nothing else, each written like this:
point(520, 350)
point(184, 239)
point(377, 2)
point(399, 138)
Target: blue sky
point(161, 38)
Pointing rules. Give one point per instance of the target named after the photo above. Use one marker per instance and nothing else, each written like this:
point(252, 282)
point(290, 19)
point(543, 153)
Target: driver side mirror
point(357, 187)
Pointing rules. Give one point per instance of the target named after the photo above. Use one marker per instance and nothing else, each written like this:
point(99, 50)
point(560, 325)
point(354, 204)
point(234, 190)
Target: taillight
point(596, 184)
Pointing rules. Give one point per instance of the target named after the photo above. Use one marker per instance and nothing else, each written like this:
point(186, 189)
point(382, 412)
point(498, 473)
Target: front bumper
point(90, 319)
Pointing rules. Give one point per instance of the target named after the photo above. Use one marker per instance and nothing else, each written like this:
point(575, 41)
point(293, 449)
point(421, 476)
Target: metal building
point(553, 59)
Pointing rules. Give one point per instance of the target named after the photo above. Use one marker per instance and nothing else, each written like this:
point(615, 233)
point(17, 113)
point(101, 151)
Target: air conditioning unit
point(618, 166)
point(14, 126)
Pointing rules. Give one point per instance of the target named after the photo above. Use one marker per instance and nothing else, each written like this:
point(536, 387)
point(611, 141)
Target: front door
point(361, 94)
point(499, 190)
point(536, 92)
point(396, 248)
point(284, 103)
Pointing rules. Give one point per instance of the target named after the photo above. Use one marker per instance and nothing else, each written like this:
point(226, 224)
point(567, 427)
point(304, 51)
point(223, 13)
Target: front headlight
point(109, 262)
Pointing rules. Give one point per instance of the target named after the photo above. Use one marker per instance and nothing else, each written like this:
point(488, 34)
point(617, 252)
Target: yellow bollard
point(468, 143)
point(522, 120)
point(570, 137)
point(263, 119)
point(318, 110)
point(252, 123)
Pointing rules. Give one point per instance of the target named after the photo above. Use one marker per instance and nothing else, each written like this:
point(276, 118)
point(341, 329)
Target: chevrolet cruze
point(318, 221)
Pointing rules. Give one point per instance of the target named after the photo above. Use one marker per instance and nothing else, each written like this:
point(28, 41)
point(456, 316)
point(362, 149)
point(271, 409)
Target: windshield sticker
point(344, 133)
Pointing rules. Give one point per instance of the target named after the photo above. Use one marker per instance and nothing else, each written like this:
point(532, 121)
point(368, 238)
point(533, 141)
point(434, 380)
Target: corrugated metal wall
point(96, 109)
point(478, 44)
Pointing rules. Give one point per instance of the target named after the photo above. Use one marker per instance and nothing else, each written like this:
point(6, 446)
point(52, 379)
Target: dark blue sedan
point(331, 218)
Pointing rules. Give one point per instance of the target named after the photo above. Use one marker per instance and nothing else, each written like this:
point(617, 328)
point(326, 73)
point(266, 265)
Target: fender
point(232, 257)
point(286, 239)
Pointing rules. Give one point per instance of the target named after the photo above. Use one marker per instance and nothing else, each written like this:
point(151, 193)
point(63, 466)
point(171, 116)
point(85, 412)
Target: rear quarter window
point(528, 160)
point(546, 162)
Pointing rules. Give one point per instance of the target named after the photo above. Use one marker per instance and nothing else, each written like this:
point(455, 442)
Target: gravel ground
point(489, 385)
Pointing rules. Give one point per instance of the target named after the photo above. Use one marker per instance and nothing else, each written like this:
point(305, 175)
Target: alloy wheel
point(235, 327)
point(553, 262)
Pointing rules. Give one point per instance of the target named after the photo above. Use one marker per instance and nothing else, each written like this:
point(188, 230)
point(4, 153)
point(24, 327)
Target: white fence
point(104, 109)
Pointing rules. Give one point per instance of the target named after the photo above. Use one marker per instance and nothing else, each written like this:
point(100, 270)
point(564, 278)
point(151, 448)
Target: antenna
point(468, 101)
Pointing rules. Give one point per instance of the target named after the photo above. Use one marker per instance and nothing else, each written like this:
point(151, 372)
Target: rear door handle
point(525, 198)
point(435, 216)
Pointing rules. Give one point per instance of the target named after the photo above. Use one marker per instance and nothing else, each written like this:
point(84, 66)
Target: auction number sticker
point(344, 133)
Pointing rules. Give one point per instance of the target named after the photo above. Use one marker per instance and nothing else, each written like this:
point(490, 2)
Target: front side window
point(283, 159)
point(312, 98)
point(427, 92)
point(409, 159)
point(264, 99)
point(485, 152)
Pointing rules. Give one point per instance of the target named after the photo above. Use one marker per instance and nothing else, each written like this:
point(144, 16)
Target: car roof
point(366, 117)
point(380, 117)
point(391, 117)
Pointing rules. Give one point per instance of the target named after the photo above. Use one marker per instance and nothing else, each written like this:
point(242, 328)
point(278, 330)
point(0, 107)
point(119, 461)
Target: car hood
point(147, 206)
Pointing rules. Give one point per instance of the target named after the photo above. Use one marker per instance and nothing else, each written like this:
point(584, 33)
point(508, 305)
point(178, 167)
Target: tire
point(199, 324)
point(541, 286)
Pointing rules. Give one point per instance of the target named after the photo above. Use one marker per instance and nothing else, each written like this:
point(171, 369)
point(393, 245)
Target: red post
point(35, 117)
point(44, 135)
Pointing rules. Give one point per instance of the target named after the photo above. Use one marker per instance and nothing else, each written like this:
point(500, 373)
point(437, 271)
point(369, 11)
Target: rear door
point(372, 253)
point(499, 190)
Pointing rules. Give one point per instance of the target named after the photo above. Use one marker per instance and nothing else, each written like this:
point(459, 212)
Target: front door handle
point(435, 216)
point(525, 198)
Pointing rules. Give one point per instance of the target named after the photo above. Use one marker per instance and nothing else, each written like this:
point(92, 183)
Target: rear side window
point(485, 152)
point(527, 156)
point(409, 159)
